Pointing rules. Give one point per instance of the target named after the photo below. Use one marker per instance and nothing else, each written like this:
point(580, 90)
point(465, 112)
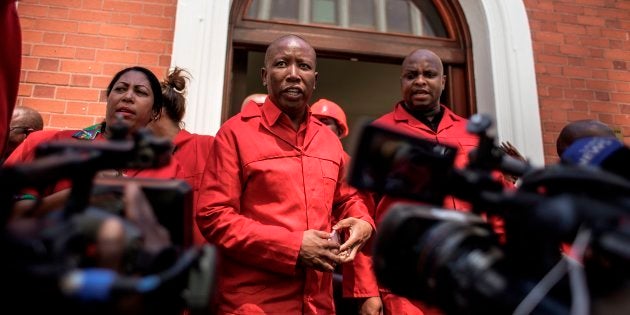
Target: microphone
point(606, 153)
point(96, 284)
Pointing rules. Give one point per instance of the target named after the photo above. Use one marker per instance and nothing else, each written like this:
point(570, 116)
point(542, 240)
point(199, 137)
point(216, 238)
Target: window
point(385, 16)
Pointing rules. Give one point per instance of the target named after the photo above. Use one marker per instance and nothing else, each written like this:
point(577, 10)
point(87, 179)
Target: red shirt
point(10, 62)
point(264, 185)
point(191, 153)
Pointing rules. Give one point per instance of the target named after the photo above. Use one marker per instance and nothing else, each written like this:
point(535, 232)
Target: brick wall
point(72, 48)
point(582, 57)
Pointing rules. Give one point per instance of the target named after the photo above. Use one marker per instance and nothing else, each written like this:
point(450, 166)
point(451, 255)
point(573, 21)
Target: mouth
point(292, 92)
point(125, 111)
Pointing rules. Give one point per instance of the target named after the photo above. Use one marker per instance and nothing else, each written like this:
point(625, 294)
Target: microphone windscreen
point(606, 153)
point(591, 151)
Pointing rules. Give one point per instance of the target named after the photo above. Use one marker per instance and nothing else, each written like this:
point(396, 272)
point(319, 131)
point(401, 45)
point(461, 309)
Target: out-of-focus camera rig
point(566, 245)
point(49, 262)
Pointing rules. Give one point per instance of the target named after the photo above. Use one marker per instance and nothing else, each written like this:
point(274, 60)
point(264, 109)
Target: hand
point(318, 251)
point(511, 150)
point(371, 306)
point(360, 232)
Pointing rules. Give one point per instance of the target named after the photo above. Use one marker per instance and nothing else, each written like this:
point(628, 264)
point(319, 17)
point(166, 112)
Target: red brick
point(600, 74)
point(578, 83)
point(33, 10)
point(574, 50)
point(120, 18)
point(53, 38)
point(568, 8)
point(48, 64)
point(75, 66)
point(602, 96)
point(64, 3)
point(575, 115)
point(600, 85)
point(165, 60)
point(153, 9)
point(116, 43)
point(96, 109)
point(71, 121)
point(146, 46)
point(58, 13)
point(616, 54)
point(148, 59)
point(45, 105)
point(122, 6)
point(579, 94)
point(32, 36)
point(571, 28)
point(53, 51)
point(56, 25)
point(619, 75)
point(76, 93)
point(622, 86)
point(47, 77)
point(92, 4)
point(153, 21)
point(76, 108)
point(116, 56)
point(620, 97)
point(89, 28)
point(25, 90)
point(597, 63)
point(84, 41)
point(576, 72)
point(88, 16)
point(85, 54)
point(81, 80)
point(615, 34)
point(580, 106)
point(548, 36)
point(120, 31)
point(44, 91)
point(555, 60)
point(604, 107)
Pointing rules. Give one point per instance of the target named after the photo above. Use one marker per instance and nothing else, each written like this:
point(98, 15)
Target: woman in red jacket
point(190, 150)
point(133, 95)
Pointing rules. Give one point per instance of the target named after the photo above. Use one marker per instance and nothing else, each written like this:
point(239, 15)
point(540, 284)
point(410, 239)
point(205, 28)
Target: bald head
point(24, 121)
point(424, 54)
point(284, 41)
point(581, 129)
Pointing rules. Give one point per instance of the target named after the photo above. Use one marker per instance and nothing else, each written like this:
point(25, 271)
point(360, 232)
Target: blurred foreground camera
point(117, 246)
point(565, 247)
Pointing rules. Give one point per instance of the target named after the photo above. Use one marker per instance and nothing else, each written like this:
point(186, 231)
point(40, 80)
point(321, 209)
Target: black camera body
point(564, 247)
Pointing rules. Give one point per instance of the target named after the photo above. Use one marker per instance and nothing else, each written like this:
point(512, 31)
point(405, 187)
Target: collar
point(269, 111)
point(448, 117)
point(90, 133)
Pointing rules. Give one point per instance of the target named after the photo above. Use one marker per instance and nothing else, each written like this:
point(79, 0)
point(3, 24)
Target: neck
point(297, 118)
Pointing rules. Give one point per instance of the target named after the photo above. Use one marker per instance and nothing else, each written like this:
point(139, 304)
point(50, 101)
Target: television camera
point(565, 244)
point(60, 262)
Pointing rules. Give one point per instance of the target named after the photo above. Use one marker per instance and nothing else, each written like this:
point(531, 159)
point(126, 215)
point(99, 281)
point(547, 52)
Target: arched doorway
point(359, 56)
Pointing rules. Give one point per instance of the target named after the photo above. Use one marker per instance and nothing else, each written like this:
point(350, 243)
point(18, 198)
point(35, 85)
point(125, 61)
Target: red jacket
point(10, 61)
point(25, 153)
point(264, 185)
point(191, 153)
point(451, 131)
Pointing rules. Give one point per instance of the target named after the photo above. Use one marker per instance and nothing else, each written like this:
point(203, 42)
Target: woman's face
point(132, 99)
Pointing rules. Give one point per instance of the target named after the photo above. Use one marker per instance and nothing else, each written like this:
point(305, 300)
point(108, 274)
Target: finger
point(345, 223)
point(321, 234)
point(350, 255)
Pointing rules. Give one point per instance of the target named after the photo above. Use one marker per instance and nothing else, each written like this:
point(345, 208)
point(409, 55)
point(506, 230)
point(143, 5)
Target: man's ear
point(315, 83)
point(263, 76)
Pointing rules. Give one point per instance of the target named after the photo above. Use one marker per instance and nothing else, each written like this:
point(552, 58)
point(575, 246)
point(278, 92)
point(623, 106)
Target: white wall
point(505, 77)
point(200, 46)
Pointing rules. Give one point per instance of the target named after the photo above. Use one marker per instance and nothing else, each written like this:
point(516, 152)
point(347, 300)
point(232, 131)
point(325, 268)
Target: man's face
point(422, 81)
point(289, 74)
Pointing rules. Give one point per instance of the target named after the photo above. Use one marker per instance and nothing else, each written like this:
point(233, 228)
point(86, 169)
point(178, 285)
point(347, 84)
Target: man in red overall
point(273, 185)
point(421, 114)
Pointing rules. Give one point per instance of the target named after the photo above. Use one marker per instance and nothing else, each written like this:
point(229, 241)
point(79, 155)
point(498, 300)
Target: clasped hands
point(319, 251)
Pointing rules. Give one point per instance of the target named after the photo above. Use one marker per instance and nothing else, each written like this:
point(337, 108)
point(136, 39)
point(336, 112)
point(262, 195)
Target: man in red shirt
point(271, 190)
point(420, 113)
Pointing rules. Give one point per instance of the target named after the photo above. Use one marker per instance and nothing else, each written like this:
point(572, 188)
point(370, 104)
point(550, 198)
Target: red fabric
point(191, 153)
point(25, 152)
point(451, 131)
point(10, 62)
point(264, 185)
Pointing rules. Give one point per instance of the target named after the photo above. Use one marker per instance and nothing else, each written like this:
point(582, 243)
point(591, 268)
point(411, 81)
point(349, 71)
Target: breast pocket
point(328, 182)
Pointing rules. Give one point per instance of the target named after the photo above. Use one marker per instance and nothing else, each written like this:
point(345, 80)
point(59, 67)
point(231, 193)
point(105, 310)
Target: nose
point(420, 80)
point(128, 96)
point(293, 73)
